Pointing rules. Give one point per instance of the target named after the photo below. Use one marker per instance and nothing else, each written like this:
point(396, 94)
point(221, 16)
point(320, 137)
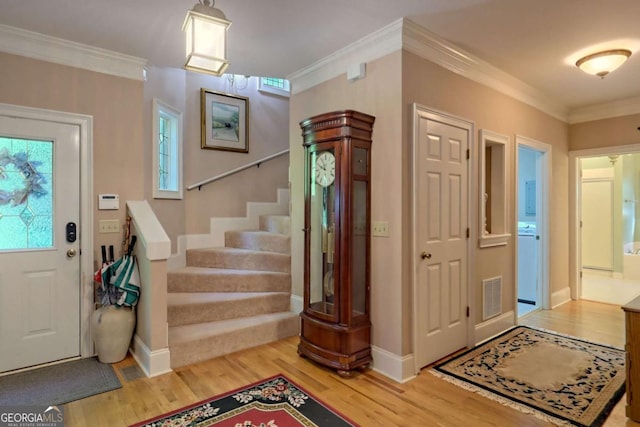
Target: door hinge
point(468, 154)
point(581, 274)
point(468, 232)
point(467, 311)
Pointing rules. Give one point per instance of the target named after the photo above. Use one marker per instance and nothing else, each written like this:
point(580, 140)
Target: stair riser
point(275, 224)
point(257, 241)
point(222, 310)
point(267, 282)
point(232, 341)
point(266, 261)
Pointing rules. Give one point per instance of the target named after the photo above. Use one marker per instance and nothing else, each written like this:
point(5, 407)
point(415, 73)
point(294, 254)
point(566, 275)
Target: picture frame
point(224, 119)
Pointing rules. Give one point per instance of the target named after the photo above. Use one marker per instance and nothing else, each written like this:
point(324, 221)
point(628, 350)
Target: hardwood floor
point(368, 398)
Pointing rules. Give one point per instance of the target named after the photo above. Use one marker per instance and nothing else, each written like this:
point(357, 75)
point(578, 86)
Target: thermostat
point(108, 202)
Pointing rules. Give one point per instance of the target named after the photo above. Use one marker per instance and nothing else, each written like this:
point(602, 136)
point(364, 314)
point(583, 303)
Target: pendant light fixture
point(206, 30)
point(602, 63)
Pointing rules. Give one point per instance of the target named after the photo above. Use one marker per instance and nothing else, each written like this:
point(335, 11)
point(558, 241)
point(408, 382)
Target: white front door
point(441, 246)
point(39, 262)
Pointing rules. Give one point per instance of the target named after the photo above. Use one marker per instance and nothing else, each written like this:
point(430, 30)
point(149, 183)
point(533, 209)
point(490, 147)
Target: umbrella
point(123, 276)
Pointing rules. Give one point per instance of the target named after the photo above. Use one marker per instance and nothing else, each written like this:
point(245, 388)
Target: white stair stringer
point(218, 227)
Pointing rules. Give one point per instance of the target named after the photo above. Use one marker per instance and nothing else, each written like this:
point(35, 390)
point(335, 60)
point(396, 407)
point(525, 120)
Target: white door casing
point(441, 170)
point(543, 186)
point(45, 294)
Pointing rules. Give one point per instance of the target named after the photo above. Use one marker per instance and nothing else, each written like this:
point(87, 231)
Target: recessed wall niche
point(493, 189)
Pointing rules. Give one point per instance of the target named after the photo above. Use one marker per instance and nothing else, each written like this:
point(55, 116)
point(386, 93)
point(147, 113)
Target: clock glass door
point(322, 265)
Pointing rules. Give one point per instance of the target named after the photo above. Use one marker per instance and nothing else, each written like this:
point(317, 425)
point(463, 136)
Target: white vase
point(112, 331)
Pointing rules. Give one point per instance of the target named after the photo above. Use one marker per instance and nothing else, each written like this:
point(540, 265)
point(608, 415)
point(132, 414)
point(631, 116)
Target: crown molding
point(380, 43)
point(623, 107)
point(405, 34)
point(51, 49)
point(428, 45)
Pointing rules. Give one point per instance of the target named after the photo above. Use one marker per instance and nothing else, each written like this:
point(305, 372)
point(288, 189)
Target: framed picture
point(224, 121)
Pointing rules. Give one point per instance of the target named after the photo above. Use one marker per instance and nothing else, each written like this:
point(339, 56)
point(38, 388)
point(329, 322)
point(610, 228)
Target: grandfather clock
point(335, 323)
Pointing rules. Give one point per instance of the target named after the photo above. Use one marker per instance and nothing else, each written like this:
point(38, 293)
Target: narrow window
point(167, 151)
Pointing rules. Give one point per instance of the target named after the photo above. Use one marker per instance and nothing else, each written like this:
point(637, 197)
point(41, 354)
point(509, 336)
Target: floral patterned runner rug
point(563, 380)
point(273, 402)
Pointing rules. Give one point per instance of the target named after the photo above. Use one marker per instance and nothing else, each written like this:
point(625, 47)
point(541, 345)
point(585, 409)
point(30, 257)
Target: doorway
point(533, 160)
point(44, 304)
point(609, 214)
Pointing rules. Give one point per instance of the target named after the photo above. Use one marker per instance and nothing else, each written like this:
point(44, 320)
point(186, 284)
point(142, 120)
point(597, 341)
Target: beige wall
point(379, 94)
point(268, 134)
point(391, 86)
point(122, 143)
point(605, 133)
point(268, 126)
point(116, 106)
point(428, 84)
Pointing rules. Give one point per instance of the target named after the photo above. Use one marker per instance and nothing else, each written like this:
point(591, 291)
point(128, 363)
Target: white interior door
point(597, 224)
point(40, 268)
point(441, 238)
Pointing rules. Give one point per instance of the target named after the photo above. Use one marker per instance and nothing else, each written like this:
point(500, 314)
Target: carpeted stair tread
point(190, 307)
point(236, 258)
point(212, 279)
point(258, 240)
point(186, 333)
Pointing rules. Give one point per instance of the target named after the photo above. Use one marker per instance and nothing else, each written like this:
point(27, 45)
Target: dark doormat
point(58, 384)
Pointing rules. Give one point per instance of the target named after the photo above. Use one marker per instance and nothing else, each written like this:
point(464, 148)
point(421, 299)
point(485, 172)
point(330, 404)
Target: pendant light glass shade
point(206, 33)
point(602, 63)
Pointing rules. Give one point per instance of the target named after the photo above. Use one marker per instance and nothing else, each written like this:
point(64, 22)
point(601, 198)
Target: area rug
point(58, 384)
point(273, 402)
point(563, 380)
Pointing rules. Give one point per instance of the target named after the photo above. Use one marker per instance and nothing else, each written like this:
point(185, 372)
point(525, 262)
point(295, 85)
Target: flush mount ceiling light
point(602, 63)
point(206, 30)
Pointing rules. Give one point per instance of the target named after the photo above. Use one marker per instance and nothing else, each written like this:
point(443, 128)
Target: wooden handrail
point(257, 163)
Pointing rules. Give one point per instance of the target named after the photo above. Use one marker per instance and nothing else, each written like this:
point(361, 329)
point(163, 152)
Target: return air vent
point(491, 297)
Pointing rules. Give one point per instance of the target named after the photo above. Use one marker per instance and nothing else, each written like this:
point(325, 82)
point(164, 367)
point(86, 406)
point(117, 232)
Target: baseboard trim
point(398, 368)
point(560, 297)
point(494, 326)
point(152, 363)
point(297, 304)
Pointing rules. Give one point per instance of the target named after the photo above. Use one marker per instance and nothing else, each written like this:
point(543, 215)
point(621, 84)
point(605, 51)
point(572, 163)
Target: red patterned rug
point(273, 402)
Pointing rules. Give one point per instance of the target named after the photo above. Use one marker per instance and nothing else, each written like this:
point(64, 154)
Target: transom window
point(274, 85)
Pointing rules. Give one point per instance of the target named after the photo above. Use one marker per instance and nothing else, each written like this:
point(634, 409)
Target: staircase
point(233, 297)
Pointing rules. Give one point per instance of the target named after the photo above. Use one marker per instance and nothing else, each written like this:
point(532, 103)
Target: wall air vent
point(491, 297)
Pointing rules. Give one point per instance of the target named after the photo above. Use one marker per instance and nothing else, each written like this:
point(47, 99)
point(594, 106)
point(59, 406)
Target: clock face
point(325, 169)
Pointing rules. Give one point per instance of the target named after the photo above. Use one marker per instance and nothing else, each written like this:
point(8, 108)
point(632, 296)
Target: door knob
point(425, 255)
point(71, 253)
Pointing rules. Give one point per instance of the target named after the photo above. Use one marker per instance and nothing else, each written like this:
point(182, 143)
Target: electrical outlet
point(109, 226)
point(380, 228)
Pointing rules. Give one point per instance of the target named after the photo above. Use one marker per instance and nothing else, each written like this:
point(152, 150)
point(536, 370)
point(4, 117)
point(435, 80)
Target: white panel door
point(597, 224)
point(39, 268)
point(442, 242)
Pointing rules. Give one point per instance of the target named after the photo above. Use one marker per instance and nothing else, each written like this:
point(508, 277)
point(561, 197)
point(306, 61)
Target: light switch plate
point(380, 228)
point(109, 226)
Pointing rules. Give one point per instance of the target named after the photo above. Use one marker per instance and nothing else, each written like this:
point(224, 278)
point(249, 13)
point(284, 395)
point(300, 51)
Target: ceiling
point(535, 41)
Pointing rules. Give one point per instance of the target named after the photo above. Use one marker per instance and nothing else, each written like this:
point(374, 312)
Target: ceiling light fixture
point(206, 30)
point(602, 63)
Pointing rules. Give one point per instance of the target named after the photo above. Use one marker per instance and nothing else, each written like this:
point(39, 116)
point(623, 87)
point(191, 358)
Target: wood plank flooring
point(369, 398)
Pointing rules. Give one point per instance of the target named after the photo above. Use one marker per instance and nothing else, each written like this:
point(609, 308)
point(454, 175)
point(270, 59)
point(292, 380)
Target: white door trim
point(420, 111)
point(544, 189)
point(575, 242)
point(85, 124)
